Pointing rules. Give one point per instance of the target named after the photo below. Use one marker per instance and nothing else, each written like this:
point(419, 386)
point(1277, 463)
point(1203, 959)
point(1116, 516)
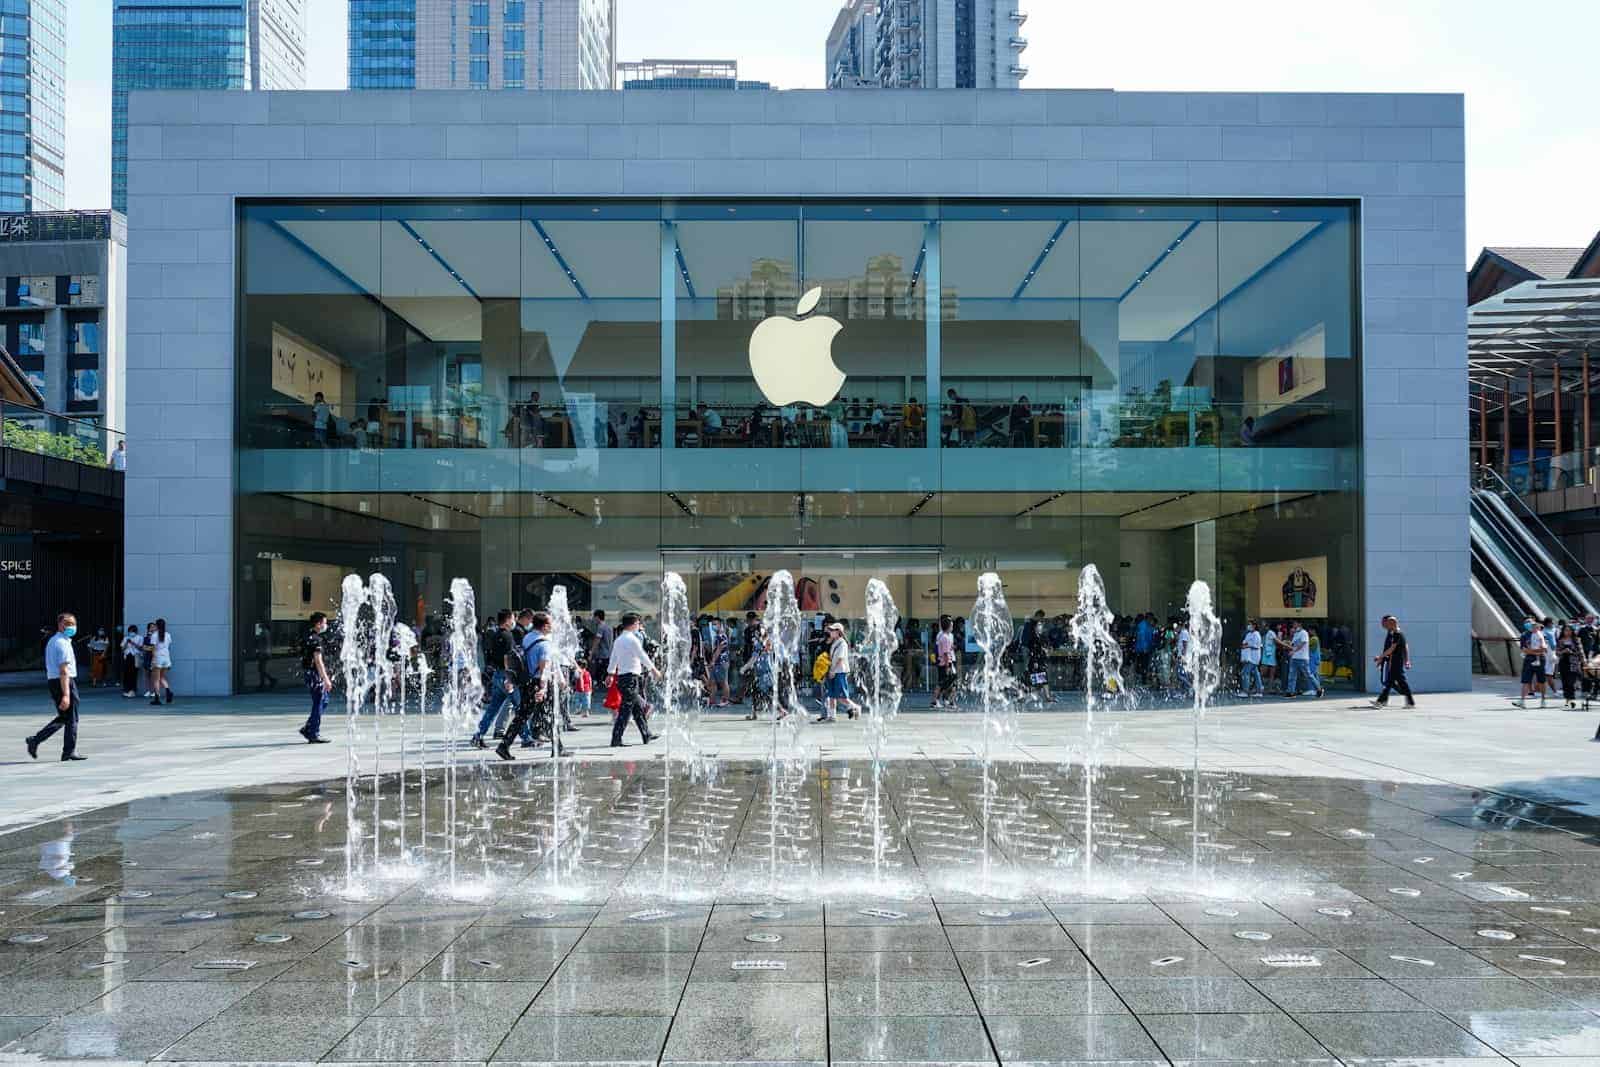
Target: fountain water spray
point(462, 697)
point(380, 600)
point(354, 666)
point(566, 642)
point(992, 630)
point(680, 702)
point(1202, 661)
point(883, 699)
point(1102, 670)
point(405, 646)
point(782, 622)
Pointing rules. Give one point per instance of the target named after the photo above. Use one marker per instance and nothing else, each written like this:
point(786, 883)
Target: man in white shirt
point(1300, 663)
point(119, 456)
point(837, 683)
point(629, 664)
point(1250, 662)
point(61, 670)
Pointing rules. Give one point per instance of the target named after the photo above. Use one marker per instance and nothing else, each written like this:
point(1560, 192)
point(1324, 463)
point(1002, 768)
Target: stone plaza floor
point(1343, 886)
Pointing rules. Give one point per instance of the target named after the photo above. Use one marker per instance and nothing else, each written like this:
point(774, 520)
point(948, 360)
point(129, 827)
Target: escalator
point(1516, 573)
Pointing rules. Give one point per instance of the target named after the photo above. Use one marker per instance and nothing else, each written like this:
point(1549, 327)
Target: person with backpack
point(313, 661)
point(1038, 665)
point(836, 683)
point(540, 662)
point(499, 656)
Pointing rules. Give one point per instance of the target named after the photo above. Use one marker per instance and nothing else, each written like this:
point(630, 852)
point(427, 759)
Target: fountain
point(355, 667)
point(786, 755)
point(1202, 662)
point(461, 699)
point(993, 631)
point(566, 643)
point(1102, 670)
point(883, 695)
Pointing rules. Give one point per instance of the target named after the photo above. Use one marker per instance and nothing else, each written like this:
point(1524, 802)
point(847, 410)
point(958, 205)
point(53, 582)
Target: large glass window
point(532, 393)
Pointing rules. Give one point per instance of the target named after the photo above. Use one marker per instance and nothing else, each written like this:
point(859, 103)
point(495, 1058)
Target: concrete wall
point(191, 154)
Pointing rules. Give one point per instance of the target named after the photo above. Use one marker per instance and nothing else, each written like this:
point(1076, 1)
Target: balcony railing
point(58, 451)
point(1103, 422)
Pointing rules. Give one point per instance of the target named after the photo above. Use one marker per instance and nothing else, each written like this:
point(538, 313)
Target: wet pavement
point(618, 915)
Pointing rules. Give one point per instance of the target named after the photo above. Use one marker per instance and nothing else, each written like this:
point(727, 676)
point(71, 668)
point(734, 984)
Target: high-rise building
point(684, 74)
point(383, 44)
point(33, 140)
point(927, 44)
point(199, 44)
point(483, 44)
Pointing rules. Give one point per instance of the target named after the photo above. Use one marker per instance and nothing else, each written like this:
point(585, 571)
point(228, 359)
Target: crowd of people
point(1566, 652)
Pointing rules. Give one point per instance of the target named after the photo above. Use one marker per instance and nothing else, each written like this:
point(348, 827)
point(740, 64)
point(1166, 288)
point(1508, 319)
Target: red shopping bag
point(613, 695)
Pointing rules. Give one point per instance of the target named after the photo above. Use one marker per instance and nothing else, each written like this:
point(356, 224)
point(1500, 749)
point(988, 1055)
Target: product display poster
point(1289, 588)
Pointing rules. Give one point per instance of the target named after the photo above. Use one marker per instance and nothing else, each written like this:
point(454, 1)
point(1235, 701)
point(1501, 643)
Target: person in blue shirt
point(539, 688)
point(1144, 642)
point(61, 672)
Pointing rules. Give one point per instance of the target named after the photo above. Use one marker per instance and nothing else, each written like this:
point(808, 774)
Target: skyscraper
point(927, 44)
point(684, 74)
point(33, 140)
point(483, 44)
point(199, 44)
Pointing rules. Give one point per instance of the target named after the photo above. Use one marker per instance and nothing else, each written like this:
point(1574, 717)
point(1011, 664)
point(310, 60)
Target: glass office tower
point(383, 44)
point(198, 44)
point(33, 79)
point(587, 392)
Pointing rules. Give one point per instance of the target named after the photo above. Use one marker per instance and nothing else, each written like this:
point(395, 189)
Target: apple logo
point(792, 359)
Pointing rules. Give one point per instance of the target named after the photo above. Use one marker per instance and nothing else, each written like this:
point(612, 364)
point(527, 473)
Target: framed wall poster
point(1288, 589)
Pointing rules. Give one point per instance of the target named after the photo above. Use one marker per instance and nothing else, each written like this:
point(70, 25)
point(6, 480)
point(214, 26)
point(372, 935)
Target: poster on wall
point(1289, 588)
point(1288, 375)
point(299, 588)
point(302, 370)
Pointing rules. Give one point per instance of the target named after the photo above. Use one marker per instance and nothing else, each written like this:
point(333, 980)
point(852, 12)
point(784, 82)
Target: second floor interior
point(483, 346)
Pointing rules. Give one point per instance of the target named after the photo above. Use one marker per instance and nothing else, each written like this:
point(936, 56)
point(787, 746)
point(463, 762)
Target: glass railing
point(85, 441)
point(586, 424)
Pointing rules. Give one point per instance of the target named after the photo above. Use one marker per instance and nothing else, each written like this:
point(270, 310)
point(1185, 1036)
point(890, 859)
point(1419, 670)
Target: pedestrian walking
point(1038, 664)
point(1269, 658)
point(131, 651)
point(944, 656)
point(146, 661)
point(1250, 662)
point(1569, 664)
point(540, 664)
point(160, 649)
point(1534, 648)
point(1393, 662)
point(61, 674)
point(836, 683)
point(313, 661)
point(627, 667)
point(1300, 663)
point(499, 653)
point(99, 652)
point(262, 652)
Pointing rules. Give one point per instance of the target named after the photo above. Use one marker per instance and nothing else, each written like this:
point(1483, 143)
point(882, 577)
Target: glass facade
point(198, 44)
point(383, 44)
point(33, 139)
point(533, 392)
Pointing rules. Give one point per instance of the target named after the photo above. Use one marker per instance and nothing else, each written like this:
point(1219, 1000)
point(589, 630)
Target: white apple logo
point(792, 359)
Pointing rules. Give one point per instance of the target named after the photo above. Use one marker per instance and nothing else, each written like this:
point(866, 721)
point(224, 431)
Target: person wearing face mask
point(313, 658)
point(61, 671)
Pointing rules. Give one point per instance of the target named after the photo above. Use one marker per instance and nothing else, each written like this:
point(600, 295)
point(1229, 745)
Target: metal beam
point(437, 258)
point(1038, 261)
point(559, 258)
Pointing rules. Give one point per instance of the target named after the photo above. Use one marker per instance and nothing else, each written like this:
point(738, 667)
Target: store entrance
point(829, 582)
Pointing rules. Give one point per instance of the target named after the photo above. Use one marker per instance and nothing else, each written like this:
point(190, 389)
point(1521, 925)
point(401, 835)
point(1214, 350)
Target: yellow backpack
point(819, 669)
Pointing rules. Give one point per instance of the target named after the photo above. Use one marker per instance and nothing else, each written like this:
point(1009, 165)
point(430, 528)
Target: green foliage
point(27, 438)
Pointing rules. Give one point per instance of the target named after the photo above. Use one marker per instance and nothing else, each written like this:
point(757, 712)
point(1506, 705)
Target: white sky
point(1533, 138)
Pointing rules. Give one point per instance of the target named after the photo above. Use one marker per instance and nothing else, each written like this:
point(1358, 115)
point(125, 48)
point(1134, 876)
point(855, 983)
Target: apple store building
point(553, 339)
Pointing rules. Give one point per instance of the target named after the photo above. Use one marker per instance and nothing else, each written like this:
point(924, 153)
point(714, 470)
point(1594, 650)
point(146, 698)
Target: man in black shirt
point(499, 656)
point(1392, 663)
point(318, 683)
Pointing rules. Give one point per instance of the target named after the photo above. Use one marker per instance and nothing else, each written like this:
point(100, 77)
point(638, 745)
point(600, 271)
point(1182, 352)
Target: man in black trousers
point(1392, 663)
point(61, 670)
point(629, 664)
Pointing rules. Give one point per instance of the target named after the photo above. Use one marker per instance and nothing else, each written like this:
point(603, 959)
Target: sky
point(1533, 135)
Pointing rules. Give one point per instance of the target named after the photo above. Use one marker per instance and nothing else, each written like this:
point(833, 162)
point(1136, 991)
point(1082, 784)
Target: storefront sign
point(17, 570)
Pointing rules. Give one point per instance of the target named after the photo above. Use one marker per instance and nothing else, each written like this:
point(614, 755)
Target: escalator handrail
point(1531, 546)
point(1510, 589)
point(1501, 490)
point(1506, 546)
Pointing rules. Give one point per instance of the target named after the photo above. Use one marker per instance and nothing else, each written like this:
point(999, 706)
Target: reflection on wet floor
point(727, 920)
